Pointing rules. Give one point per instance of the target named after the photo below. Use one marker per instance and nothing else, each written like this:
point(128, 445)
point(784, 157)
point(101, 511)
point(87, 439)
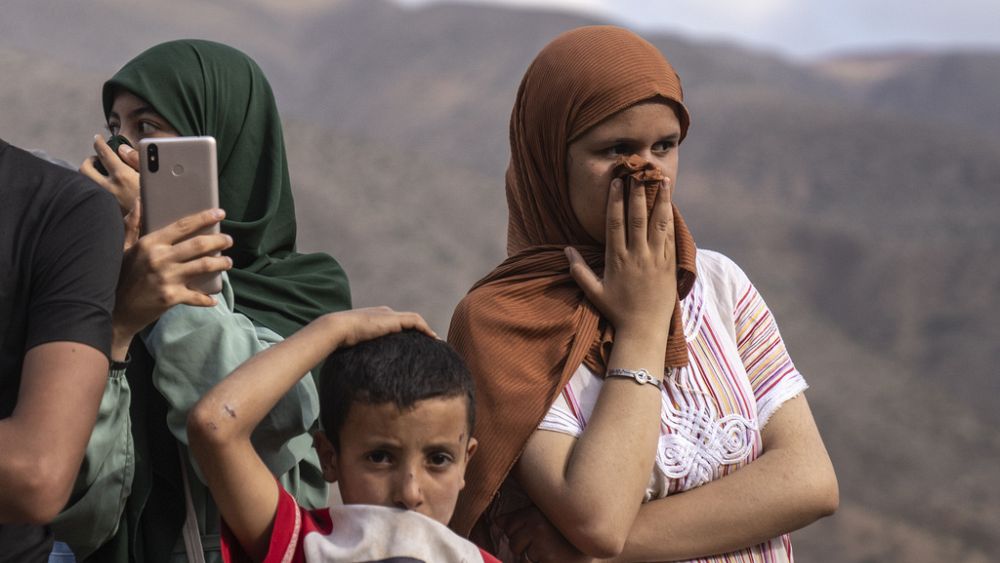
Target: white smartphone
point(179, 176)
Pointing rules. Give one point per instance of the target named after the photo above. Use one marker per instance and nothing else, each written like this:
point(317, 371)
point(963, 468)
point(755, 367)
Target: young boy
point(397, 409)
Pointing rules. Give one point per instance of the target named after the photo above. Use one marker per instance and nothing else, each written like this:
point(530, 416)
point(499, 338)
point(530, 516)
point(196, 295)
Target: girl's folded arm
point(591, 487)
point(789, 486)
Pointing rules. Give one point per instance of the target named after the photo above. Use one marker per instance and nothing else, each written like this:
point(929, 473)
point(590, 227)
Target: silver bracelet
point(640, 376)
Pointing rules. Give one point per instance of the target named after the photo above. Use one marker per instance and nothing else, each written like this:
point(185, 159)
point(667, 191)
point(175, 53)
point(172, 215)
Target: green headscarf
point(206, 88)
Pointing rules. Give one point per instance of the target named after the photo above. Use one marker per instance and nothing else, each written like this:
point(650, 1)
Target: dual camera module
point(153, 157)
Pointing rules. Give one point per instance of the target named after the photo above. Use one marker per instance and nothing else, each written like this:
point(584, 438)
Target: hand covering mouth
point(641, 172)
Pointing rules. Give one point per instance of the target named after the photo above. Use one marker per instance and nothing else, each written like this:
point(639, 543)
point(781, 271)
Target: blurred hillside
point(860, 194)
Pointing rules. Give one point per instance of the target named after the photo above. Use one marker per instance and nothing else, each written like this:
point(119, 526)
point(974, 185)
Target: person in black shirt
point(61, 242)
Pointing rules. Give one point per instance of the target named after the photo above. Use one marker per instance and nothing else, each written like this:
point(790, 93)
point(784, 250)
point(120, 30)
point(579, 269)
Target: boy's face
point(413, 459)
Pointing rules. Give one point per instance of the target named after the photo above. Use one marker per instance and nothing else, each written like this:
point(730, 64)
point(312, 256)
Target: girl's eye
point(618, 150)
point(112, 127)
point(146, 128)
point(378, 457)
point(439, 459)
point(664, 146)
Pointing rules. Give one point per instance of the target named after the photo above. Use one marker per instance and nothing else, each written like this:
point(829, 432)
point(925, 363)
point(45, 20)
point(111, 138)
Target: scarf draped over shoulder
point(206, 88)
point(526, 327)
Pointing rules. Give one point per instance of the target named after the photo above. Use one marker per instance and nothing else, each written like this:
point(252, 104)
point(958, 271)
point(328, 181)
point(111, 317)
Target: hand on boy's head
point(359, 325)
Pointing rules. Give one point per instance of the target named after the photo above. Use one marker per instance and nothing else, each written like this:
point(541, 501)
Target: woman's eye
point(618, 150)
point(112, 128)
point(378, 457)
point(439, 459)
point(664, 146)
point(147, 128)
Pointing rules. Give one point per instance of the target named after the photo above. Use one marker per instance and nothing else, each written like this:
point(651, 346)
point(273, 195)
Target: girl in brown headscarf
point(616, 365)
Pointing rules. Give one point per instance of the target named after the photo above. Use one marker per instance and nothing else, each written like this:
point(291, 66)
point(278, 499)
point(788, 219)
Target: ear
point(327, 456)
point(470, 450)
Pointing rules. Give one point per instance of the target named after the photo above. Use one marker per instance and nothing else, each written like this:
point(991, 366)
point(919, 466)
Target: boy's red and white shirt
point(356, 532)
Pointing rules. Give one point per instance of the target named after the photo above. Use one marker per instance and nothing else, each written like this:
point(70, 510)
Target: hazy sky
point(803, 28)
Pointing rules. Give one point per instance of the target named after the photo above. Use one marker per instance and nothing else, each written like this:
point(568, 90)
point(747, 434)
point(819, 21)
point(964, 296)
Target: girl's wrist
point(119, 349)
point(121, 340)
point(644, 330)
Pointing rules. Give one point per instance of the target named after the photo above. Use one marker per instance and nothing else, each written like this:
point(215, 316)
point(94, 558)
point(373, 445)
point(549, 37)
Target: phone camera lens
point(152, 155)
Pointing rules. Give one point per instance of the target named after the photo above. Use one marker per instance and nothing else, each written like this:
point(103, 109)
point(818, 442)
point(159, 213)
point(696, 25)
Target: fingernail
point(568, 253)
point(230, 260)
point(97, 137)
point(218, 213)
point(229, 239)
point(125, 149)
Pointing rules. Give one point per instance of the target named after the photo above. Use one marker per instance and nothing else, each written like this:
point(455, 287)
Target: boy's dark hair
point(400, 368)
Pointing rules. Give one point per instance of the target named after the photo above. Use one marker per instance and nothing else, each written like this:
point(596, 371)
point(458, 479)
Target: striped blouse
point(712, 410)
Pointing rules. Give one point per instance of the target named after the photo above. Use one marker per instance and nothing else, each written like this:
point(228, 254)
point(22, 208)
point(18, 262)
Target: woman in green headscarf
point(138, 496)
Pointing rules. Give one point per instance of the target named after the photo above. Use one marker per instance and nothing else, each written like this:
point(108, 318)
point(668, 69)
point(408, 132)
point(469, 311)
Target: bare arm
point(220, 425)
point(609, 465)
point(44, 439)
point(788, 487)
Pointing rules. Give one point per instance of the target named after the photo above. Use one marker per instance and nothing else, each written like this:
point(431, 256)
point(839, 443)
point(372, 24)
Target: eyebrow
point(381, 444)
point(617, 140)
point(437, 446)
point(141, 110)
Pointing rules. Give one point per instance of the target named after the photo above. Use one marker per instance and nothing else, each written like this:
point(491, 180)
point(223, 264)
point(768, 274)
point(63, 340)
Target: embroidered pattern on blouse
point(698, 442)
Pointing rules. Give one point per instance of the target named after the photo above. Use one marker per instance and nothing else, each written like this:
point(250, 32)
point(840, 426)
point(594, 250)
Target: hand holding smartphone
point(178, 176)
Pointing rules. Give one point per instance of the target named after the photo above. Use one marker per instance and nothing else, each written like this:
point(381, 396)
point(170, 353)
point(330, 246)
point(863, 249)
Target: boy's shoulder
point(358, 532)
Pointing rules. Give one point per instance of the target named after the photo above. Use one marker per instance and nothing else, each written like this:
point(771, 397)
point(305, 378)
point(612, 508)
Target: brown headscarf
point(526, 327)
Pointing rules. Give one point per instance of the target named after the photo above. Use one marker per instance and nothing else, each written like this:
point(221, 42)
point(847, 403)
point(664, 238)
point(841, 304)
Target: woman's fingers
point(185, 227)
point(194, 298)
point(107, 156)
point(584, 277)
point(198, 246)
point(129, 156)
point(661, 220)
point(638, 265)
point(637, 210)
point(615, 221)
point(113, 162)
point(88, 170)
point(122, 179)
point(206, 265)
